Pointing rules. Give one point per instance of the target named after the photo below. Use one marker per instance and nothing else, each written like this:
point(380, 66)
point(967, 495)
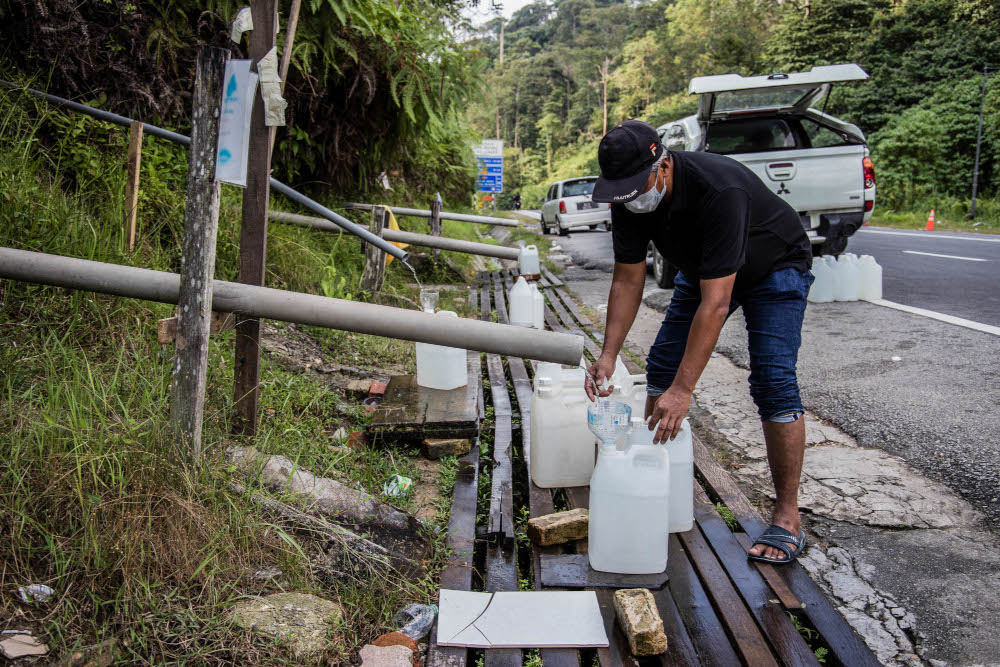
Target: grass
point(146, 557)
point(949, 215)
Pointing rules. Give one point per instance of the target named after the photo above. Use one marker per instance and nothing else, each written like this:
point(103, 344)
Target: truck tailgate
point(812, 179)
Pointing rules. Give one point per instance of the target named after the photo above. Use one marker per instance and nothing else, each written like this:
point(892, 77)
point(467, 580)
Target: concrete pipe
point(264, 302)
point(422, 213)
point(425, 240)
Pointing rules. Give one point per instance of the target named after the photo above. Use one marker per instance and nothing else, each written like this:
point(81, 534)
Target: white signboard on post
point(489, 155)
point(234, 124)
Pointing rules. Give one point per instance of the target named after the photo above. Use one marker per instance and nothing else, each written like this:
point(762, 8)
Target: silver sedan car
point(568, 204)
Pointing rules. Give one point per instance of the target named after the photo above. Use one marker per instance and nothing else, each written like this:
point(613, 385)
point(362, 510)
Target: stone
point(638, 618)
point(399, 639)
point(434, 448)
point(559, 528)
point(303, 620)
point(386, 656)
point(321, 494)
point(22, 646)
point(377, 388)
point(359, 387)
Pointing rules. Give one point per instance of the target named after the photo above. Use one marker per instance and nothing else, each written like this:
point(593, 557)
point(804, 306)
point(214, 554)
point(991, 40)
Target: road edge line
point(950, 319)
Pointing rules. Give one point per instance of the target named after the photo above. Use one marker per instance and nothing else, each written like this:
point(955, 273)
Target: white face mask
point(649, 200)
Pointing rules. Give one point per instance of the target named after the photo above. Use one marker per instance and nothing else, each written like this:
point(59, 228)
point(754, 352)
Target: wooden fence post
point(436, 219)
point(253, 231)
point(374, 271)
point(132, 184)
point(201, 222)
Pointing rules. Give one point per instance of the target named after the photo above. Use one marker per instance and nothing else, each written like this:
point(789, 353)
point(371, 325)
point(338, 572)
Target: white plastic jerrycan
point(831, 263)
point(537, 306)
point(562, 446)
point(528, 263)
point(681, 451)
point(846, 282)
point(522, 304)
point(822, 288)
point(440, 367)
point(630, 506)
point(870, 282)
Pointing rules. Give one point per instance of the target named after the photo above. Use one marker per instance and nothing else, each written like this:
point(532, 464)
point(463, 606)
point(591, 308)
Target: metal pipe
point(422, 213)
point(274, 304)
point(398, 236)
point(276, 185)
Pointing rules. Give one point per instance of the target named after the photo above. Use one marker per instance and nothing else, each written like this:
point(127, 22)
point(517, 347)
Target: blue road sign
point(490, 174)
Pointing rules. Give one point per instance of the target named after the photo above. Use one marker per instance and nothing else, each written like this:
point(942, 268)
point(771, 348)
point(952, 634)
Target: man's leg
point(774, 310)
point(667, 350)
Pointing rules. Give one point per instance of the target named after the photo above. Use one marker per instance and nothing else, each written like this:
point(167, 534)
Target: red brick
point(357, 440)
point(377, 389)
point(399, 639)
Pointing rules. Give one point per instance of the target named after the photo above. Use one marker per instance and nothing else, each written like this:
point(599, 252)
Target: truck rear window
point(578, 188)
point(750, 135)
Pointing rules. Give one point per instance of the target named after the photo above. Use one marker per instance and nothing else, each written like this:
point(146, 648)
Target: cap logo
point(625, 196)
point(652, 149)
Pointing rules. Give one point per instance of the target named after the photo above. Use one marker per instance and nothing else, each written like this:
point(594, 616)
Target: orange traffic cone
point(930, 222)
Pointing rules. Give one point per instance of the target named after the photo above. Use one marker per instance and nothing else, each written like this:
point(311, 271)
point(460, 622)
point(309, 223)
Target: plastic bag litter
point(397, 485)
point(35, 593)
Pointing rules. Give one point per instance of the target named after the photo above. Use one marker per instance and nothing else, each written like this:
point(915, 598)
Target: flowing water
point(413, 271)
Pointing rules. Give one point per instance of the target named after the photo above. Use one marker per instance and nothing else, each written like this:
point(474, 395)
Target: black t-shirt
point(720, 220)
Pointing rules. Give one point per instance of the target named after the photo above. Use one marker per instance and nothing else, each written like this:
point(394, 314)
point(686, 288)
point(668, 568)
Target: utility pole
point(979, 142)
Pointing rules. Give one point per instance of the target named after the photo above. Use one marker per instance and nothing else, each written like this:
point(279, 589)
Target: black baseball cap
point(626, 154)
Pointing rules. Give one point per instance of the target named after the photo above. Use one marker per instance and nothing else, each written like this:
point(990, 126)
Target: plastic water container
point(538, 306)
point(630, 506)
point(562, 446)
point(831, 263)
point(870, 283)
point(822, 288)
point(528, 264)
point(851, 276)
point(522, 308)
point(440, 367)
point(681, 450)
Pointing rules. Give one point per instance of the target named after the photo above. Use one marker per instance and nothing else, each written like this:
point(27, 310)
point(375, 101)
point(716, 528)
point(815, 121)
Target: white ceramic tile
point(545, 619)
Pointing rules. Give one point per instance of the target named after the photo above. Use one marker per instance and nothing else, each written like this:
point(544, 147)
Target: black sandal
point(780, 538)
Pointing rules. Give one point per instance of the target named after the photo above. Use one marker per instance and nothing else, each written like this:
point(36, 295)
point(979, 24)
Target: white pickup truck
point(818, 163)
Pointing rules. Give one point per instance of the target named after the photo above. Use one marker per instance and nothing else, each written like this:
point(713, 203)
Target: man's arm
point(624, 298)
point(672, 406)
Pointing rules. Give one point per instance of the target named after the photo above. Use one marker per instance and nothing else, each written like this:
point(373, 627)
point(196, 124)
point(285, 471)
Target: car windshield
point(574, 188)
point(749, 135)
point(760, 99)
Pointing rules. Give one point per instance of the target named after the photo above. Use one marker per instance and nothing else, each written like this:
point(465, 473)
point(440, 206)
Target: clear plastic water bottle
point(609, 420)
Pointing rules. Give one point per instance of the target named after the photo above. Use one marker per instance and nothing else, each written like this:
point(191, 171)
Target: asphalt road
point(919, 388)
point(964, 282)
point(955, 274)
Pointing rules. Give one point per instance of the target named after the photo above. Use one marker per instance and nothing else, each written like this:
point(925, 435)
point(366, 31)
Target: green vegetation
point(372, 86)
point(145, 558)
point(572, 68)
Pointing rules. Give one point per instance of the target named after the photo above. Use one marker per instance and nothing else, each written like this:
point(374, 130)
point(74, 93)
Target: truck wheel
point(663, 271)
point(560, 229)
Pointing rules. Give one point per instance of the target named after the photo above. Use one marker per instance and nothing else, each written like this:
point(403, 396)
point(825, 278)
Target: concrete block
point(559, 528)
point(434, 448)
point(638, 618)
point(359, 387)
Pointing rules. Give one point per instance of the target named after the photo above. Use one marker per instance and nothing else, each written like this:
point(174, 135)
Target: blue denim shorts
point(773, 309)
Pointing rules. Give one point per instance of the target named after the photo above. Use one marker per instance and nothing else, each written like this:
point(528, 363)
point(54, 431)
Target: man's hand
point(668, 414)
point(600, 371)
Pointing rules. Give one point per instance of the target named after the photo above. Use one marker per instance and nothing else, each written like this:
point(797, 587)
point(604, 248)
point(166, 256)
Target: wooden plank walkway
point(717, 607)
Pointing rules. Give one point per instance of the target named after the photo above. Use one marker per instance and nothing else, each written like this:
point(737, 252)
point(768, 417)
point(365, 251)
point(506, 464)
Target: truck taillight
point(869, 205)
point(562, 204)
point(869, 167)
